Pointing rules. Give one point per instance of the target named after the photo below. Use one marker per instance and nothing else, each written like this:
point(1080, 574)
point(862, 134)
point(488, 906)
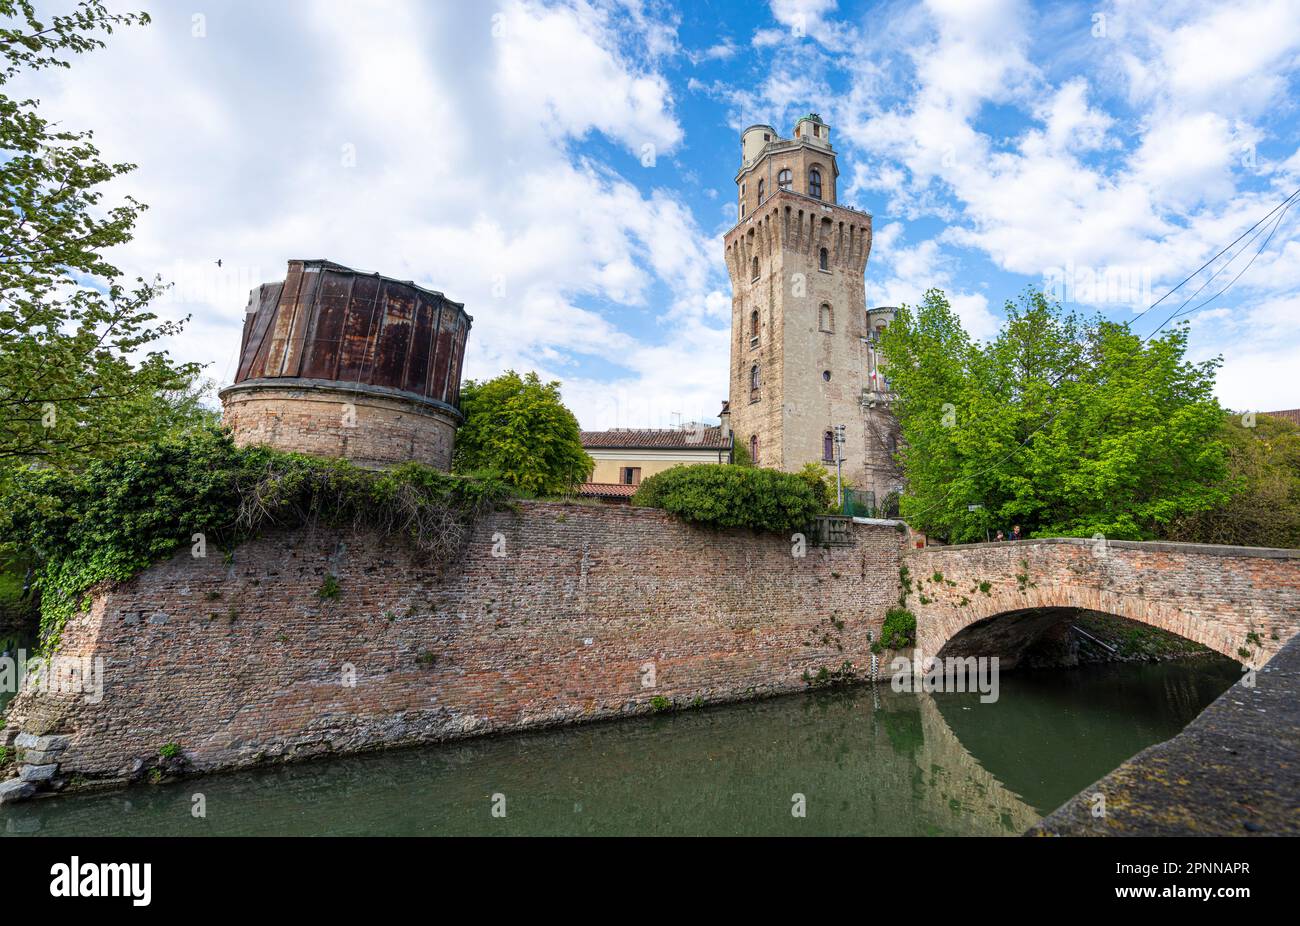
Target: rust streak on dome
point(329, 323)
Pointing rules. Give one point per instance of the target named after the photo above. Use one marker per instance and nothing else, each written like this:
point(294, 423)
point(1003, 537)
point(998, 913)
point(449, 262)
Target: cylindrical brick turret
point(347, 364)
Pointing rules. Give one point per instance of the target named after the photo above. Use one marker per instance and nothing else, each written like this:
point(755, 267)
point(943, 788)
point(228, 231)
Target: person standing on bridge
point(1015, 532)
point(999, 536)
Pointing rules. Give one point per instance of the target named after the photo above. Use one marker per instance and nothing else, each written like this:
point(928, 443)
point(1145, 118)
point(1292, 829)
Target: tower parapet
point(339, 363)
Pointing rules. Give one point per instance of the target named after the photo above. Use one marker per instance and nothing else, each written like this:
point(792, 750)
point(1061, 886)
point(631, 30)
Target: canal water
point(861, 761)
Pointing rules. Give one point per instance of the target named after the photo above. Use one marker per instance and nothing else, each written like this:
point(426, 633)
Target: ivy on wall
point(118, 516)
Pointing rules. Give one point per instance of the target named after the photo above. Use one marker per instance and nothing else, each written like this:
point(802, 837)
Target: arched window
point(785, 179)
point(760, 192)
point(824, 259)
point(828, 447)
point(753, 449)
point(753, 324)
point(753, 378)
point(825, 318)
point(755, 268)
point(814, 183)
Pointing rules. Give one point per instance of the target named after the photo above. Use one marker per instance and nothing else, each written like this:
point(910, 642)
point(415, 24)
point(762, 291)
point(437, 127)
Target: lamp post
point(839, 466)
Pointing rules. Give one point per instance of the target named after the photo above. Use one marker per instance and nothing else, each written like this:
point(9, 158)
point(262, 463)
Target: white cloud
point(425, 142)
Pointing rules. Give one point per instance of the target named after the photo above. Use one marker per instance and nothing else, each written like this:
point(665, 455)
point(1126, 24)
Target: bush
point(117, 517)
point(899, 630)
point(726, 495)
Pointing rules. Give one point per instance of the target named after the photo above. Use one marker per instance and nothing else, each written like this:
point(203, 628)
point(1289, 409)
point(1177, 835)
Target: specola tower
point(803, 343)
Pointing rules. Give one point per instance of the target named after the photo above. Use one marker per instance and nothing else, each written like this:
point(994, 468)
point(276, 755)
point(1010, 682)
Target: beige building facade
point(803, 343)
point(626, 456)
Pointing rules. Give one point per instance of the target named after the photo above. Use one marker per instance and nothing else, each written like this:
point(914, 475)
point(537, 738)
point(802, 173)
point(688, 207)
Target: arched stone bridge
point(1243, 602)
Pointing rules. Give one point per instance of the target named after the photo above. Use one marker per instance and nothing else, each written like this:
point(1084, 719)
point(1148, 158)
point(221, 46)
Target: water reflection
point(868, 761)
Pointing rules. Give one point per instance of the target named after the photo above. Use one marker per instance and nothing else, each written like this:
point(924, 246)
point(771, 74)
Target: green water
point(867, 761)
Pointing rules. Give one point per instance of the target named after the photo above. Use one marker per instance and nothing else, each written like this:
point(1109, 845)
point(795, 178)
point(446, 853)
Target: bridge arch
point(1241, 602)
point(1055, 603)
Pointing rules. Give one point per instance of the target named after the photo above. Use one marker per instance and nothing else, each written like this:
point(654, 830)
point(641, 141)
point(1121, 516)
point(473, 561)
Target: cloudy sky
point(565, 168)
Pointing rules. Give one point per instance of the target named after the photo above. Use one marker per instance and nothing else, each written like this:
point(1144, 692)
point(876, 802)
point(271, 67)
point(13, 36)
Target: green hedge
point(118, 516)
point(725, 495)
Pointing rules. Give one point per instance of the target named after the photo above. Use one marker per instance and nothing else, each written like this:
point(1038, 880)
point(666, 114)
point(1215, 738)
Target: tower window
point(814, 183)
point(828, 447)
point(753, 378)
point(825, 318)
point(753, 449)
point(785, 179)
point(824, 260)
point(760, 192)
point(753, 324)
point(742, 210)
point(755, 268)
point(826, 375)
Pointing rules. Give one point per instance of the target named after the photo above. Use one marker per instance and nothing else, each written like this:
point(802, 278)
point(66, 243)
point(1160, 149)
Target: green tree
point(1065, 426)
point(1264, 475)
point(80, 375)
point(518, 427)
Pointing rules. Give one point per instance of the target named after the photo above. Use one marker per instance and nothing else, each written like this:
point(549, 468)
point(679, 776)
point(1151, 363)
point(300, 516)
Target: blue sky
point(565, 168)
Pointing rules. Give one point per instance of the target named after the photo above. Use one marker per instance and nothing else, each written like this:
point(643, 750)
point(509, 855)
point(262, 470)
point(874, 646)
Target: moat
point(867, 761)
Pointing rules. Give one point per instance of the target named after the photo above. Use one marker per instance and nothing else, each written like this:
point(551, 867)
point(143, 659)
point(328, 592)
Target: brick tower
point(802, 341)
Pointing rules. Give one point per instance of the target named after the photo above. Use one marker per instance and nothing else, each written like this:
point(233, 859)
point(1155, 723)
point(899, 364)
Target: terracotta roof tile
point(656, 439)
point(607, 489)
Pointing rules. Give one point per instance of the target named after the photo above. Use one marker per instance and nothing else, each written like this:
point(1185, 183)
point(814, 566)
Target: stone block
point(37, 773)
point(15, 789)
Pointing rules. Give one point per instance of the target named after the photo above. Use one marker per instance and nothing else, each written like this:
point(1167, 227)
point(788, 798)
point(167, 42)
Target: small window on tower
point(760, 192)
point(753, 449)
point(755, 268)
point(753, 378)
point(753, 324)
point(785, 179)
point(824, 260)
point(825, 318)
point(828, 447)
point(815, 183)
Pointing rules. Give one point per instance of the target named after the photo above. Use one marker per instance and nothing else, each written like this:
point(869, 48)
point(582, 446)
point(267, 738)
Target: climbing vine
point(112, 520)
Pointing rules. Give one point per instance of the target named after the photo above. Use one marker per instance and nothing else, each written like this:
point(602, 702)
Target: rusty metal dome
point(329, 324)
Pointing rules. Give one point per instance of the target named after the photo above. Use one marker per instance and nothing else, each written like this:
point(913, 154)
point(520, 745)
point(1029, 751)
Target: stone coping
point(335, 386)
point(1150, 546)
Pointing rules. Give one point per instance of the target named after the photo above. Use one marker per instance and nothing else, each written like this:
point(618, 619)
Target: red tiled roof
point(657, 439)
point(607, 489)
point(1291, 414)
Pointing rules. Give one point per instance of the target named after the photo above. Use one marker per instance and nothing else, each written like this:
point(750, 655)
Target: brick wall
point(243, 661)
point(368, 428)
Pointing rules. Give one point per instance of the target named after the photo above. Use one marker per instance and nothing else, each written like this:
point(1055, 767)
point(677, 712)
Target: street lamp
point(839, 466)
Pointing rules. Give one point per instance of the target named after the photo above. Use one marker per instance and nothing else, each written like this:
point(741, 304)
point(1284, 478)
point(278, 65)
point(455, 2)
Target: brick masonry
point(361, 424)
point(244, 662)
point(1214, 595)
